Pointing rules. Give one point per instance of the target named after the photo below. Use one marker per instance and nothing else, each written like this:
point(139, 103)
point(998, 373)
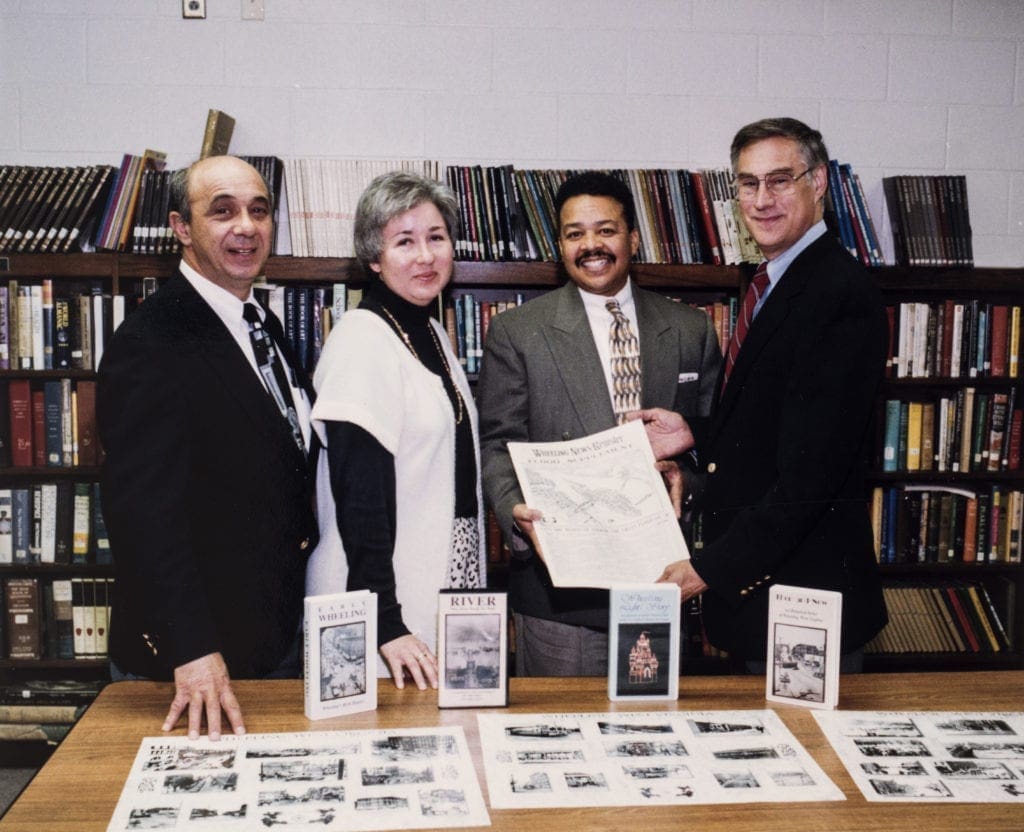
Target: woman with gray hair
point(401, 512)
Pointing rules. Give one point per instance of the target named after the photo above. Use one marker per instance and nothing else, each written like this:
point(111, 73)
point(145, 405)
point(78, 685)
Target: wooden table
point(79, 786)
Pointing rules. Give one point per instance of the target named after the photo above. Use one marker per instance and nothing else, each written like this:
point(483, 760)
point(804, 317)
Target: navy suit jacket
point(785, 500)
point(207, 500)
point(541, 381)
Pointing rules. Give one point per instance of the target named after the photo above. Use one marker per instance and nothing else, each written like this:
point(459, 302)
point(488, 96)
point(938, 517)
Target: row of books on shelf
point(46, 329)
point(683, 216)
point(947, 524)
point(307, 314)
point(125, 215)
point(969, 431)
point(55, 209)
point(50, 209)
point(62, 618)
point(848, 215)
point(49, 423)
point(954, 339)
point(930, 220)
point(135, 218)
point(53, 522)
point(467, 317)
point(944, 617)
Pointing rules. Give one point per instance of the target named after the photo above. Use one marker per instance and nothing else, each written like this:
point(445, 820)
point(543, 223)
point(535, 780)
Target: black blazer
point(207, 500)
point(785, 500)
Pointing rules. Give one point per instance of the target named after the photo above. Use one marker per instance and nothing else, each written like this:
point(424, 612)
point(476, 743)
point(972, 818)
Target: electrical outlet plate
point(193, 8)
point(253, 9)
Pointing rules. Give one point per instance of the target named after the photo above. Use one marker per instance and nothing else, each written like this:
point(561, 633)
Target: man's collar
point(623, 296)
point(216, 296)
point(778, 265)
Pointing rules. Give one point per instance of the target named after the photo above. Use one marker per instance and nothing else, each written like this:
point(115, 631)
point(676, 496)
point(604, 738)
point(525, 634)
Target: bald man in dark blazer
point(207, 494)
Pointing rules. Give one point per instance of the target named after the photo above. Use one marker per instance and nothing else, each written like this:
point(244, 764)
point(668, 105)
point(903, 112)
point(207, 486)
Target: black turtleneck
point(362, 472)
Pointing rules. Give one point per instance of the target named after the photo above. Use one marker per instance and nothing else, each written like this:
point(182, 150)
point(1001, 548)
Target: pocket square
point(685, 377)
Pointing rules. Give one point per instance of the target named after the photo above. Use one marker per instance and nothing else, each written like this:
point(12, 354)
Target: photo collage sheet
point(646, 758)
point(353, 780)
point(931, 757)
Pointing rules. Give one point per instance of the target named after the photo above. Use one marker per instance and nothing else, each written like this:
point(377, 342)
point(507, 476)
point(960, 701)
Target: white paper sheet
point(608, 519)
point(646, 758)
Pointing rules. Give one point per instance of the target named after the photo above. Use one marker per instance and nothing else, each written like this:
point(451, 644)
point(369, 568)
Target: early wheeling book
point(340, 646)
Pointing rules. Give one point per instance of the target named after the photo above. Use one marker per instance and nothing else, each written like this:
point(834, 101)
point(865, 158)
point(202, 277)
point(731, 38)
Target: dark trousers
point(550, 648)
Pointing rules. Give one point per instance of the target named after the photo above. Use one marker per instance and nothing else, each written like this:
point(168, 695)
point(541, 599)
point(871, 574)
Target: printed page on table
point(930, 757)
point(410, 778)
point(646, 758)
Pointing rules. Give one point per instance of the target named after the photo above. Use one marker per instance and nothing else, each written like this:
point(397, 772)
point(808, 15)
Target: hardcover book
point(340, 646)
point(22, 599)
point(643, 642)
point(6, 526)
point(472, 648)
point(803, 646)
point(217, 135)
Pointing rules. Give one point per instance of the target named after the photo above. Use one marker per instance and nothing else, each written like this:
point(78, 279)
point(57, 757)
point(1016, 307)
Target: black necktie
point(272, 370)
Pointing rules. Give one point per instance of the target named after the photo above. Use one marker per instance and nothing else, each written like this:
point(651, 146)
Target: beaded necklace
point(444, 361)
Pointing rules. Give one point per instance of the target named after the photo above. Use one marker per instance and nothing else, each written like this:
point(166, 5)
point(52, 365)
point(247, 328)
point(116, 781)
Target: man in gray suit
point(546, 376)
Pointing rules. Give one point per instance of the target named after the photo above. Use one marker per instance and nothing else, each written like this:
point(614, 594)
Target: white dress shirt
point(228, 308)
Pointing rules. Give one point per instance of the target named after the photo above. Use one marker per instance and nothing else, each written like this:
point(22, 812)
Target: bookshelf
point(933, 483)
point(64, 488)
point(123, 273)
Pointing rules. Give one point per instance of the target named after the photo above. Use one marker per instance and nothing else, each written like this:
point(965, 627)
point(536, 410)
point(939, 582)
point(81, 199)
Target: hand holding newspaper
point(608, 519)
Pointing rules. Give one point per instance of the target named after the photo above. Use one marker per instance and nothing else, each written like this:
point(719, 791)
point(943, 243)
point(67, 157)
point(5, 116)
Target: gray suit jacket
point(542, 381)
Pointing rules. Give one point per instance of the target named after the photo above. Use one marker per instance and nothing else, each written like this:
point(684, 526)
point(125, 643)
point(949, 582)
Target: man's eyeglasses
point(778, 184)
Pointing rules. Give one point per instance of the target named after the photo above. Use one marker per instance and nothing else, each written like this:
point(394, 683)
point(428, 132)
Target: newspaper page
point(411, 778)
point(608, 519)
point(930, 756)
point(646, 758)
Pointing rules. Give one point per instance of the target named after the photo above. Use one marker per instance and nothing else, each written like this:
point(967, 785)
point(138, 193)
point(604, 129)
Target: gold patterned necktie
point(625, 363)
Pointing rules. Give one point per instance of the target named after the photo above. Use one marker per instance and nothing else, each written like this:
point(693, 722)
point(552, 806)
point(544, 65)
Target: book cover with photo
point(472, 648)
point(340, 632)
point(803, 646)
point(643, 642)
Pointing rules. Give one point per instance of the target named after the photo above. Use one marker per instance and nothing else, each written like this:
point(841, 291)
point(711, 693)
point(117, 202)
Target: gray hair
point(178, 182)
point(812, 146)
point(390, 195)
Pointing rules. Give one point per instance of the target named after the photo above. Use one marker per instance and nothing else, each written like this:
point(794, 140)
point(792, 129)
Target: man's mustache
point(595, 252)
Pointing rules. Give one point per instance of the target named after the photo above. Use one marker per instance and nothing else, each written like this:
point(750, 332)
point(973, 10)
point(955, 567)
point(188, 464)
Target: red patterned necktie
point(753, 295)
point(625, 363)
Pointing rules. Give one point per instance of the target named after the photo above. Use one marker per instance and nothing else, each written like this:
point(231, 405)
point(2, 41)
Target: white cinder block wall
point(896, 86)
